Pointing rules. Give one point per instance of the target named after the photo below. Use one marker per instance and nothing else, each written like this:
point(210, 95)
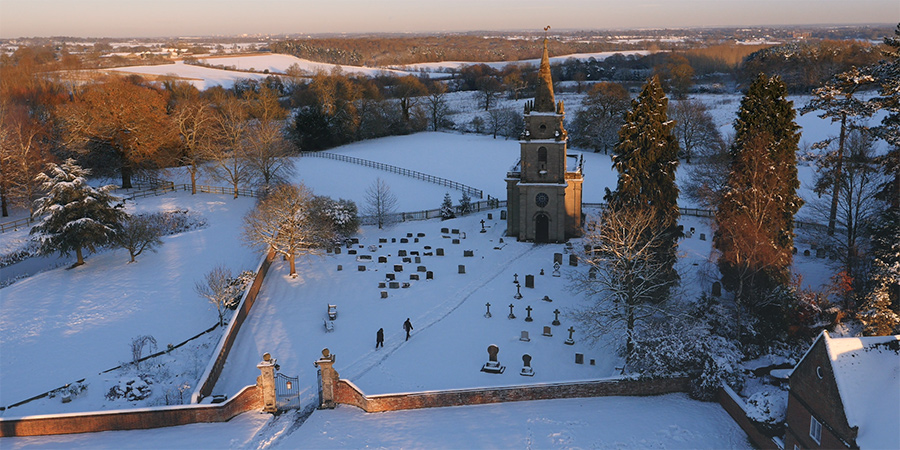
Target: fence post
point(266, 382)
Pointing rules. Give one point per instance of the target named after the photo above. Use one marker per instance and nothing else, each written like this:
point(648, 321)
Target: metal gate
point(319, 383)
point(287, 392)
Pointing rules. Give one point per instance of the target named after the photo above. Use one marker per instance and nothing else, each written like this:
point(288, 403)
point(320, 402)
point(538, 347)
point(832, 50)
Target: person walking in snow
point(408, 327)
point(379, 338)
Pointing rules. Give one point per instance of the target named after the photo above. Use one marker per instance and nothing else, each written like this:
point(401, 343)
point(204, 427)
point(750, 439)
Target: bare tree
point(381, 203)
point(140, 232)
point(708, 175)
point(194, 121)
point(694, 128)
point(289, 221)
point(624, 273)
point(22, 157)
point(489, 89)
point(268, 153)
point(596, 125)
point(137, 348)
point(437, 105)
point(217, 287)
point(229, 154)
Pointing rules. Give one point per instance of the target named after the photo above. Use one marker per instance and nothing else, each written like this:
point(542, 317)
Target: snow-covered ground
point(456, 65)
point(201, 77)
point(279, 63)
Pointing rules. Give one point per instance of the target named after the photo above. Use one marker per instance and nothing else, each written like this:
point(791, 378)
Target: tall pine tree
point(646, 158)
point(78, 215)
point(755, 219)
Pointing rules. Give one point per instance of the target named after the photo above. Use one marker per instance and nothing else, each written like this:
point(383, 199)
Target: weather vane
point(547, 28)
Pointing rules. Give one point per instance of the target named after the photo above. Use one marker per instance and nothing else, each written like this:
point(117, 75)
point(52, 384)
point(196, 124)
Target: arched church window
point(542, 154)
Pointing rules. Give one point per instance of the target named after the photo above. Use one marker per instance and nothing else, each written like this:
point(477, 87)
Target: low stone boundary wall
point(214, 368)
point(347, 393)
point(732, 404)
point(247, 399)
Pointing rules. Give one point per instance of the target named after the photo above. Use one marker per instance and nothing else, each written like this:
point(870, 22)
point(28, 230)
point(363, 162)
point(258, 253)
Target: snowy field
point(456, 65)
point(279, 63)
point(201, 77)
point(669, 421)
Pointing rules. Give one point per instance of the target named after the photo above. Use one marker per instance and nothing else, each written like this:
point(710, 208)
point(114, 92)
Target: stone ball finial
point(267, 357)
point(493, 350)
point(325, 353)
point(526, 358)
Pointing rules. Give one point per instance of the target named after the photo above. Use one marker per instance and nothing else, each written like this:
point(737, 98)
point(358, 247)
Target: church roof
point(543, 97)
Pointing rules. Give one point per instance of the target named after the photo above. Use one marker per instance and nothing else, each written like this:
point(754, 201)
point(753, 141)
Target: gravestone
point(493, 365)
point(542, 272)
point(383, 294)
point(488, 313)
point(418, 260)
point(555, 317)
point(573, 260)
point(351, 252)
point(511, 315)
point(427, 247)
point(414, 277)
point(421, 269)
point(548, 331)
point(702, 236)
point(354, 241)
point(454, 231)
point(382, 285)
point(393, 240)
point(361, 268)
point(382, 240)
point(382, 259)
point(462, 268)
point(527, 371)
point(405, 285)
point(557, 258)
point(406, 260)
point(373, 248)
point(806, 252)
point(556, 269)
point(579, 358)
point(529, 319)
point(401, 253)
point(337, 250)
point(429, 275)
point(445, 230)
point(416, 240)
point(524, 337)
point(468, 253)
point(794, 251)
point(413, 253)
point(593, 362)
point(390, 276)
point(428, 254)
point(364, 258)
point(439, 252)
point(394, 285)
point(570, 341)
point(692, 230)
point(340, 268)
point(329, 250)
point(717, 289)
point(490, 216)
point(502, 214)
point(518, 292)
point(547, 298)
point(820, 253)
point(455, 241)
point(398, 267)
point(420, 235)
point(409, 235)
point(529, 281)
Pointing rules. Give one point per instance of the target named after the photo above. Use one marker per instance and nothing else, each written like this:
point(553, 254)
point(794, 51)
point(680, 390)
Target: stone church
point(544, 187)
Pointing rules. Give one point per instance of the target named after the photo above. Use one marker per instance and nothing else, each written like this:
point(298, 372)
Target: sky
point(172, 18)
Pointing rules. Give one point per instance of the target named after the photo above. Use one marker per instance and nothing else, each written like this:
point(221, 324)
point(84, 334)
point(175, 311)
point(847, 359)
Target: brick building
point(845, 393)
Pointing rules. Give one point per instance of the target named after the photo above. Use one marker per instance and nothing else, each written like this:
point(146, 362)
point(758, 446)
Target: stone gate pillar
point(328, 379)
point(266, 382)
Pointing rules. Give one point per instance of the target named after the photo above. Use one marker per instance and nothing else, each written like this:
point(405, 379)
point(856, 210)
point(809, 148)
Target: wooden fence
point(406, 172)
point(484, 205)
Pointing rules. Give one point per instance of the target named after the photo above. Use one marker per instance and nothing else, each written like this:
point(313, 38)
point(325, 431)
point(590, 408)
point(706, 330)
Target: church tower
point(544, 187)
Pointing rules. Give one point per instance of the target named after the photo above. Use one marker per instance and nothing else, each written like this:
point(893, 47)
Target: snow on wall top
point(867, 372)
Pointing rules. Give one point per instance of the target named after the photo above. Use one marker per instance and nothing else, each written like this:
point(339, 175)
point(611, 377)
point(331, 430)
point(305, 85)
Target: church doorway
point(541, 229)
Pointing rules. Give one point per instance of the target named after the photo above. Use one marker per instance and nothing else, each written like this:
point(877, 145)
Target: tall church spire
point(543, 98)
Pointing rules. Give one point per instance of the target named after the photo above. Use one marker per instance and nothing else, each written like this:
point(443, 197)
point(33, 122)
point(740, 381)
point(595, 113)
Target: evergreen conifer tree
point(756, 216)
point(646, 158)
point(447, 208)
point(78, 215)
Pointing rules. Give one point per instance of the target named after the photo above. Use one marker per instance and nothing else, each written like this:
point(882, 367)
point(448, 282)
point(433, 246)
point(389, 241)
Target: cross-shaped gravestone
point(515, 278)
point(570, 341)
point(482, 226)
point(555, 317)
point(518, 292)
point(511, 315)
point(488, 313)
point(528, 319)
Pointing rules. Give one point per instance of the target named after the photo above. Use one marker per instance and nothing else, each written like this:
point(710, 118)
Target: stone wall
point(347, 393)
point(247, 399)
point(731, 403)
point(214, 369)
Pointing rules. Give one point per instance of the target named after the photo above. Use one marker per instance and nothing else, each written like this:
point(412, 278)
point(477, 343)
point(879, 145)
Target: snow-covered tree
point(447, 211)
point(140, 232)
point(596, 124)
point(218, 288)
point(465, 204)
point(646, 158)
point(876, 314)
point(287, 220)
point(755, 218)
point(624, 273)
point(342, 213)
point(77, 215)
point(381, 203)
